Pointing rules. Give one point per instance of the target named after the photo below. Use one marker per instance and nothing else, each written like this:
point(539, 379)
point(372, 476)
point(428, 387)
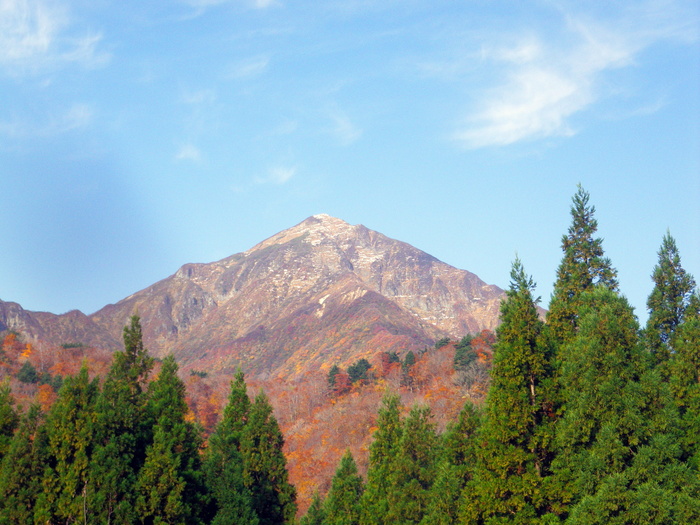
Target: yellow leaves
point(27, 351)
point(45, 397)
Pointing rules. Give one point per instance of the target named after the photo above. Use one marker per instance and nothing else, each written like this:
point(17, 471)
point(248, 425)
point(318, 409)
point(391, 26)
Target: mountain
point(321, 292)
point(68, 328)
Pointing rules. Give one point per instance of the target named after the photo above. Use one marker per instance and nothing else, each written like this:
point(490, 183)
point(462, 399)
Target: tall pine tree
point(342, 505)
point(668, 301)
point(455, 470)
point(8, 418)
point(223, 461)
point(618, 457)
point(412, 471)
point(517, 432)
point(22, 469)
point(583, 266)
point(684, 381)
point(123, 433)
point(70, 428)
point(170, 486)
point(382, 451)
point(265, 467)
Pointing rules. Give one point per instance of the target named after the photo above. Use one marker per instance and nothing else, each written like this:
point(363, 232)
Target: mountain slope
point(71, 327)
point(322, 290)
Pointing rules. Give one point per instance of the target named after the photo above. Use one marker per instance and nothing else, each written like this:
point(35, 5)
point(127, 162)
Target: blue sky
point(139, 136)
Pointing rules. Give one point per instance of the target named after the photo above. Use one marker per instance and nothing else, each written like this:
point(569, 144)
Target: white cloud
point(546, 81)
point(251, 67)
point(35, 34)
point(262, 4)
point(189, 152)
point(277, 175)
point(287, 127)
point(77, 116)
point(203, 5)
point(201, 97)
point(343, 128)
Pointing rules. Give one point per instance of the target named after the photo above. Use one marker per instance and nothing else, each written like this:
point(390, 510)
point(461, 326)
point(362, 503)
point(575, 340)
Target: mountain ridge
point(321, 290)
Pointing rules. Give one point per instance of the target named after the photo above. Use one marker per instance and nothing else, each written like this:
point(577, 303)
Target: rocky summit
point(323, 291)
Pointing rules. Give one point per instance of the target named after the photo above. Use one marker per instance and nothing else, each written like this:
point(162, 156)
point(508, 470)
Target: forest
point(586, 417)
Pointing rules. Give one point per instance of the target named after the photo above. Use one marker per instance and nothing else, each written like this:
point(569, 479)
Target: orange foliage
point(46, 397)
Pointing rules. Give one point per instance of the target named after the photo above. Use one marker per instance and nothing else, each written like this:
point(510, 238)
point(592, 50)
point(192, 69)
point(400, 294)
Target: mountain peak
point(313, 230)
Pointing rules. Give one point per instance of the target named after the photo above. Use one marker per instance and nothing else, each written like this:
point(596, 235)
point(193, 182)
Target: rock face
point(321, 292)
point(71, 327)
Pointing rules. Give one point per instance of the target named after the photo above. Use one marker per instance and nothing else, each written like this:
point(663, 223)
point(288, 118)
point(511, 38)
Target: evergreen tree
point(170, 484)
point(455, 469)
point(316, 514)
point(70, 429)
point(8, 418)
point(223, 461)
point(616, 439)
point(382, 451)
point(684, 381)
point(582, 267)
point(412, 470)
point(334, 371)
point(21, 470)
point(673, 289)
point(265, 467)
point(160, 486)
point(342, 506)
point(464, 353)
point(517, 432)
point(123, 433)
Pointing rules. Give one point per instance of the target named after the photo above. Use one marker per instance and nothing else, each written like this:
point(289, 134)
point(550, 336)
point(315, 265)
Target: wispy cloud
point(202, 5)
point(251, 67)
point(35, 34)
point(277, 175)
point(78, 116)
point(188, 152)
point(343, 128)
point(546, 81)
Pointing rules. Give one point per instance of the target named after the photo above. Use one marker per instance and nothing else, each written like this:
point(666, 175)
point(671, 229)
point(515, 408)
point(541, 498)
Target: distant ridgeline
point(583, 417)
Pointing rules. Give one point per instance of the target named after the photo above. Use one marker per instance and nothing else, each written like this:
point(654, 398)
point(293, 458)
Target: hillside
point(321, 291)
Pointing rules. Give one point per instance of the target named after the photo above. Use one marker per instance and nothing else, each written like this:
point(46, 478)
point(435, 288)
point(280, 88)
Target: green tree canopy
point(265, 467)
point(517, 432)
point(123, 431)
point(342, 505)
point(668, 301)
point(583, 266)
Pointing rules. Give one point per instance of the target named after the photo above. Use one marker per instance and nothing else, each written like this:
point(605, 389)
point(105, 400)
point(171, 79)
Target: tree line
point(589, 418)
point(127, 452)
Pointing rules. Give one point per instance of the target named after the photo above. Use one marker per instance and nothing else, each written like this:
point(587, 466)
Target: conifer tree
point(382, 451)
point(169, 485)
point(342, 505)
point(616, 439)
point(582, 267)
point(8, 418)
point(667, 303)
point(70, 428)
point(265, 467)
point(684, 380)
point(160, 486)
point(223, 461)
point(22, 468)
point(123, 433)
point(517, 433)
point(316, 514)
point(412, 471)
point(454, 470)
